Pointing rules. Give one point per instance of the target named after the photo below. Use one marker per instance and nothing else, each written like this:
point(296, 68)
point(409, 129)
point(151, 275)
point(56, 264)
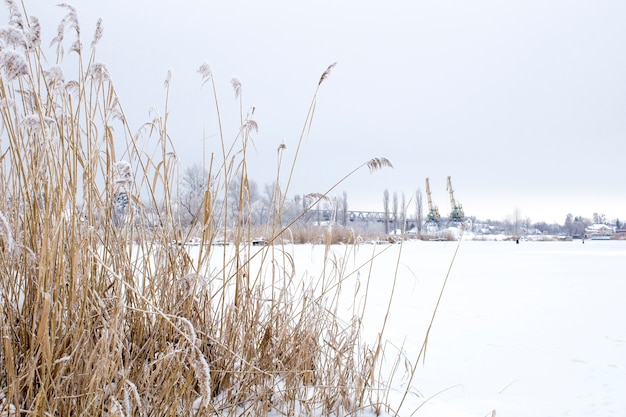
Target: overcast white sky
point(522, 102)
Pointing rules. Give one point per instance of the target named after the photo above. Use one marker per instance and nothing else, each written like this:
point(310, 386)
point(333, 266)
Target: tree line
point(260, 206)
point(264, 205)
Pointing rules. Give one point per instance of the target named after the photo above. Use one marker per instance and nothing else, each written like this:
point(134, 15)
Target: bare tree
point(386, 209)
point(304, 209)
point(344, 209)
point(395, 210)
point(517, 218)
point(403, 213)
point(569, 224)
point(193, 184)
point(268, 202)
point(419, 207)
point(245, 204)
point(599, 218)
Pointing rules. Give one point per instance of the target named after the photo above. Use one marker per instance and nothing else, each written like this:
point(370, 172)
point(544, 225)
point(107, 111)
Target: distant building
point(599, 231)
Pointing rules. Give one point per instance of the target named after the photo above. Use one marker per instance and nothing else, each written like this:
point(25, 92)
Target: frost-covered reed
point(103, 311)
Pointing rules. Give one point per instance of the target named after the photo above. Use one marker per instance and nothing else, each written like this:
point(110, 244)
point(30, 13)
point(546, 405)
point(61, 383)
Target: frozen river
point(535, 329)
point(529, 329)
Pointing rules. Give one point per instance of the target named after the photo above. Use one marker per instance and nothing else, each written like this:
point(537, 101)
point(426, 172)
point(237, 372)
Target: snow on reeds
point(103, 311)
point(5, 234)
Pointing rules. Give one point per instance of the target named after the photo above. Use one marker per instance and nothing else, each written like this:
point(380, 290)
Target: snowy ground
point(529, 329)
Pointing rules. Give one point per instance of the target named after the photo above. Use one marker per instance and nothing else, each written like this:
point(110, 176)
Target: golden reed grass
point(100, 313)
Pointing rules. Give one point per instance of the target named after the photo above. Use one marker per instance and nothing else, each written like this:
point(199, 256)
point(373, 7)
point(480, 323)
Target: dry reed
point(101, 314)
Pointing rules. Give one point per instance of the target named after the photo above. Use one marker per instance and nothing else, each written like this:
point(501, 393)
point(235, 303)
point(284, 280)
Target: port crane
point(457, 213)
point(433, 211)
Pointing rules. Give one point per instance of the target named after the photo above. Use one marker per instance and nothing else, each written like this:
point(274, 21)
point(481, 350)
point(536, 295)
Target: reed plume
point(33, 36)
point(326, 73)
point(13, 64)
point(122, 173)
point(376, 164)
point(98, 72)
point(98, 33)
point(12, 36)
point(205, 73)
point(5, 233)
point(15, 15)
point(236, 86)
point(54, 76)
point(168, 79)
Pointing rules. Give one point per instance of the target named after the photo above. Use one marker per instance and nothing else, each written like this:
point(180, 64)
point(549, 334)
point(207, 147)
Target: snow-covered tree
point(419, 207)
point(193, 184)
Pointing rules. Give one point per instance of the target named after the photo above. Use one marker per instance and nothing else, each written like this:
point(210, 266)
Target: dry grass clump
point(332, 235)
point(100, 313)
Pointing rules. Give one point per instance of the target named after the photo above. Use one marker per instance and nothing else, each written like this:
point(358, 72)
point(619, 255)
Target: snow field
point(535, 328)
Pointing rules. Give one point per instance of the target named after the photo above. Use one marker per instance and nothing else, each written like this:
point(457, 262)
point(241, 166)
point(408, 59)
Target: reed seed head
point(205, 73)
point(317, 196)
point(77, 46)
point(59, 37)
point(72, 87)
point(250, 125)
point(98, 33)
point(168, 79)
point(15, 16)
point(13, 64)
point(36, 123)
point(71, 18)
point(327, 72)
point(98, 72)
point(188, 329)
point(376, 164)
point(5, 233)
point(202, 371)
point(12, 36)
point(54, 76)
point(122, 173)
point(236, 86)
point(33, 36)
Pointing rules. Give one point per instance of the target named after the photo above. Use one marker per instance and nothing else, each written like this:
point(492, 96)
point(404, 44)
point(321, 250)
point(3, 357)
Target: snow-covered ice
point(529, 329)
point(536, 328)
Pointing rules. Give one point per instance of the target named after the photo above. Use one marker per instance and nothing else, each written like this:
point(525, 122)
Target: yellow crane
point(433, 211)
point(457, 212)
